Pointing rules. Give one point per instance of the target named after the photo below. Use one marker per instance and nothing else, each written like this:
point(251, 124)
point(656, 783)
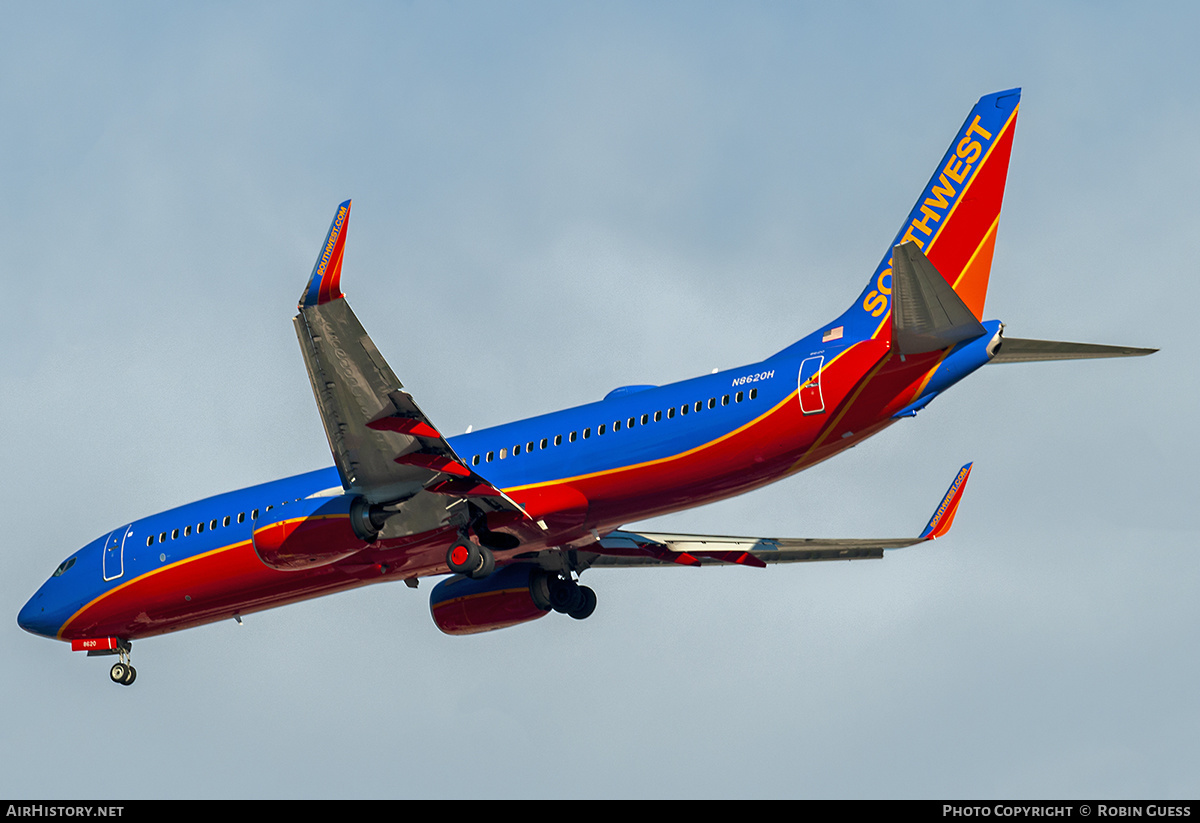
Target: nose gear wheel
point(122, 671)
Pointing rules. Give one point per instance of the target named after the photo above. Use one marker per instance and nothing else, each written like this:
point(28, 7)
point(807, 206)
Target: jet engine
point(306, 533)
point(511, 595)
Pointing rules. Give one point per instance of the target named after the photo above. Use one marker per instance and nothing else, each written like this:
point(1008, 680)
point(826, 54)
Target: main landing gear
point(468, 559)
point(551, 591)
point(476, 560)
point(568, 597)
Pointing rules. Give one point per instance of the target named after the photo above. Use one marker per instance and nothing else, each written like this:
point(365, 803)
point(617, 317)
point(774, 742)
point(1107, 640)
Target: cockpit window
point(62, 568)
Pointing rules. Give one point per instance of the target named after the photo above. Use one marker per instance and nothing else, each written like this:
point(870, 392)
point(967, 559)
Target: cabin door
point(811, 401)
point(114, 552)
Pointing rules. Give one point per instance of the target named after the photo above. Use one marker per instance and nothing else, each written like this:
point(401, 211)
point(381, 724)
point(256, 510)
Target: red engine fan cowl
point(509, 596)
point(305, 534)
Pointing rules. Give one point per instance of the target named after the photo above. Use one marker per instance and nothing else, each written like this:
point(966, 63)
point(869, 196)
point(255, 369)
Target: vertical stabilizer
point(927, 314)
point(954, 221)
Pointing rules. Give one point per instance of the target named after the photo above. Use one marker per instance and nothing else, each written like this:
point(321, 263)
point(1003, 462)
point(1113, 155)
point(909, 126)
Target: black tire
point(118, 673)
point(487, 564)
point(539, 589)
point(587, 606)
point(130, 677)
point(565, 596)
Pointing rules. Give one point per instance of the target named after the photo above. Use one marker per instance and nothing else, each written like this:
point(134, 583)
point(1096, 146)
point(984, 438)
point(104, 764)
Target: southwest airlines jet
point(517, 512)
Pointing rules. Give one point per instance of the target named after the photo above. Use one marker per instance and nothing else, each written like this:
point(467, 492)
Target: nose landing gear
point(122, 672)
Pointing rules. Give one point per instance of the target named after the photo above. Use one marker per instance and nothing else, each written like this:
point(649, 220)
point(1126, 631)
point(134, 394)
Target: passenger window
point(571, 437)
point(738, 397)
point(725, 400)
point(603, 428)
point(241, 517)
point(587, 433)
point(254, 514)
point(753, 394)
point(670, 413)
point(475, 460)
point(187, 531)
point(545, 443)
point(162, 537)
point(684, 409)
point(503, 453)
point(490, 455)
point(225, 522)
point(616, 425)
point(712, 402)
point(174, 533)
point(558, 439)
point(199, 528)
point(150, 540)
point(529, 447)
point(646, 418)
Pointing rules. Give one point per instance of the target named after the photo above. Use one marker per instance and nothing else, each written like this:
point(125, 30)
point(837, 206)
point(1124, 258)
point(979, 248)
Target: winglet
point(323, 285)
point(943, 516)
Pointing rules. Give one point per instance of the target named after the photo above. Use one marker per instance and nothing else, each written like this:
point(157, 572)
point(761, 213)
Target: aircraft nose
point(34, 618)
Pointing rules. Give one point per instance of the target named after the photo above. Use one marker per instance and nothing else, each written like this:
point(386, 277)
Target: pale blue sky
point(551, 200)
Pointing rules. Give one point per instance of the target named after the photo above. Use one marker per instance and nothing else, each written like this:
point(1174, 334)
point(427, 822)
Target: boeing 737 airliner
point(517, 512)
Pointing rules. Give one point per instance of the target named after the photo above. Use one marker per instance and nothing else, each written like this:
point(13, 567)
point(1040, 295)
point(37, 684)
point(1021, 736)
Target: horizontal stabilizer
point(1016, 350)
point(927, 314)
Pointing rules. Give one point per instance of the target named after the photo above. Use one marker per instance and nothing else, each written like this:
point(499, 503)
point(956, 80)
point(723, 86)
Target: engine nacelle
point(306, 533)
point(511, 595)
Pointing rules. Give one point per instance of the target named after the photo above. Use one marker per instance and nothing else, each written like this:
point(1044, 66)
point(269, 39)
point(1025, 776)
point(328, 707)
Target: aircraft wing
point(624, 548)
point(386, 449)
